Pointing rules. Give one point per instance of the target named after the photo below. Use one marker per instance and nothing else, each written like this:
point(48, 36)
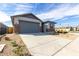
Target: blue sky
point(62, 13)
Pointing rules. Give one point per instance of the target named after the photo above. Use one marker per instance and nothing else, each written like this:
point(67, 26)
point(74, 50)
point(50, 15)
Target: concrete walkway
point(70, 50)
point(44, 45)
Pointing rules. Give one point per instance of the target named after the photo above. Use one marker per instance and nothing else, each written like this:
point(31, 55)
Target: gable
point(30, 15)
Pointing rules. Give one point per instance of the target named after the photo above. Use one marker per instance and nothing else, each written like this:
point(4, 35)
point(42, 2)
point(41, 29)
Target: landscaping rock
point(2, 47)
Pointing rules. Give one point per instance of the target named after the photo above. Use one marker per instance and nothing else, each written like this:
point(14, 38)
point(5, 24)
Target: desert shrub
point(14, 44)
point(7, 38)
point(19, 50)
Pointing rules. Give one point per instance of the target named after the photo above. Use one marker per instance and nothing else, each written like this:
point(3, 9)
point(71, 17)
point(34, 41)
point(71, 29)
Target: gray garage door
point(29, 27)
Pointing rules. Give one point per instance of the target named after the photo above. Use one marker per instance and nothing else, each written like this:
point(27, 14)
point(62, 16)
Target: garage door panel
point(29, 27)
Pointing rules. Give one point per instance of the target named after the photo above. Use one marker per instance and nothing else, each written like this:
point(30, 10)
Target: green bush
point(14, 44)
point(19, 51)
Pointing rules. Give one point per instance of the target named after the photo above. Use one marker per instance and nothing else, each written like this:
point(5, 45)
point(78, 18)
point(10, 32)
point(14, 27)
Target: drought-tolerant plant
point(19, 50)
point(14, 44)
point(7, 38)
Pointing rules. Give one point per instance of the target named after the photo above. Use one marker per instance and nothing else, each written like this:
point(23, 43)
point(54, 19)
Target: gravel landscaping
point(14, 46)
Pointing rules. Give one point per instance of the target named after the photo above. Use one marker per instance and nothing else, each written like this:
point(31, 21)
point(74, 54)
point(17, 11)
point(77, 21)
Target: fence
point(2, 31)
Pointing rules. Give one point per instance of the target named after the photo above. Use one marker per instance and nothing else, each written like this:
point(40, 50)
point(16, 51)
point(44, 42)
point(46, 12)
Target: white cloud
point(21, 9)
point(73, 11)
point(18, 12)
point(60, 12)
point(5, 18)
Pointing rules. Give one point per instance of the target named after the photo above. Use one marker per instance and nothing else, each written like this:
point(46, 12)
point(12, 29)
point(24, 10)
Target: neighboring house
point(73, 28)
point(2, 28)
point(77, 28)
point(62, 29)
point(68, 29)
point(49, 26)
point(26, 23)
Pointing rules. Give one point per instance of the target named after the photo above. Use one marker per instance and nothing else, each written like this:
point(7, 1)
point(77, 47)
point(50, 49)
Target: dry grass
point(8, 50)
point(68, 36)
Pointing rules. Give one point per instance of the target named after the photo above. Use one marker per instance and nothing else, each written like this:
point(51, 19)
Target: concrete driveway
point(71, 49)
point(44, 45)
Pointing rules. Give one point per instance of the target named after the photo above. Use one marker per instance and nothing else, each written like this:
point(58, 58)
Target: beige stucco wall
point(26, 19)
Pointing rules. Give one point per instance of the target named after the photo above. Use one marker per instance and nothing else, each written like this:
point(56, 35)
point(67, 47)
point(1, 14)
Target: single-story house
point(26, 23)
point(2, 28)
point(29, 23)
